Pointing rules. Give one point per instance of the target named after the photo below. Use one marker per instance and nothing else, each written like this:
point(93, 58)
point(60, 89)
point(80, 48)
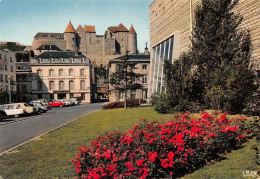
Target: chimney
point(146, 52)
point(76, 51)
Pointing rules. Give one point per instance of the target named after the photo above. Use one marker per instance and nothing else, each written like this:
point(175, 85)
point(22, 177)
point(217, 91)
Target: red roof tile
point(90, 29)
point(70, 28)
point(80, 29)
point(132, 30)
point(119, 28)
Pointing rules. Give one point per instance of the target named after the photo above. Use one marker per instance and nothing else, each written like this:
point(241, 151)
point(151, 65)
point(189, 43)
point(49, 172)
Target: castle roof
point(80, 29)
point(49, 47)
point(61, 54)
point(70, 28)
point(90, 28)
point(119, 28)
point(132, 30)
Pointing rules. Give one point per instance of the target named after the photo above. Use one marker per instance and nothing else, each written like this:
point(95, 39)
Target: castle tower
point(70, 35)
point(132, 41)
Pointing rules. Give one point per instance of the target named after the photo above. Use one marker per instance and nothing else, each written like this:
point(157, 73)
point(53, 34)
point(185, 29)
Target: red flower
point(153, 156)
point(171, 155)
point(140, 162)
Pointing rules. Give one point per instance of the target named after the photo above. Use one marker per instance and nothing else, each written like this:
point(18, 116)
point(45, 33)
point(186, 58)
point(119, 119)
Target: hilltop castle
point(99, 48)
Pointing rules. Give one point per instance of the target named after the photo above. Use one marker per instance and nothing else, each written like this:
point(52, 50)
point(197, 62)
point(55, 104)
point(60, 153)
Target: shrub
point(160, 150)
point(130, 103)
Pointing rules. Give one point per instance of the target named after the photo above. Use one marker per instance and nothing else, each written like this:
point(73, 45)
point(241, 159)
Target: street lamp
point(9, 88)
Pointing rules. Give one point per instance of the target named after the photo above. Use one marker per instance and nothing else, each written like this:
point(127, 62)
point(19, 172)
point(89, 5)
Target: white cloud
point(0, 0)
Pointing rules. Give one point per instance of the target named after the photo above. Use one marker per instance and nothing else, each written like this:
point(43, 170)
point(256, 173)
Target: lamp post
point(9, 88)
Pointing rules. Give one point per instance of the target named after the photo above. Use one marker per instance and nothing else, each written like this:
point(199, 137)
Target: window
point(70, 72)
point(5, 67)
point(71, 95)
point(71, 85)
point(82, 72)
point(61, 85)
point(82, 96)
point(39, 83)
point(133, 94)
point(82, 85)
point(90, 40)
point(39, 96)
point(144, 66)
point(1, 78)
point(5, 58)
point(11, 59)
point(24, 89)
point(144, 78)
point(6, 78)
point(60, 72)
point(39, 72)
point(12, 69)
point(51, 85)
point(51, 72)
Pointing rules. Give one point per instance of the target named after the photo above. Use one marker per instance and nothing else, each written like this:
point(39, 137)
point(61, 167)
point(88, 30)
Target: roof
point(49, 47)
point(80, 29)
point(70, 28)
point(90, 28)
point(62, 54)
point(132, 30)
point(23, 66)
point(133, 58)
point(119, 28)
point(44, 34)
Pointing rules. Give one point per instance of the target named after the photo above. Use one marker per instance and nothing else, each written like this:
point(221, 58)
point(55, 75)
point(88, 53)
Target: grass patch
point(50, 156)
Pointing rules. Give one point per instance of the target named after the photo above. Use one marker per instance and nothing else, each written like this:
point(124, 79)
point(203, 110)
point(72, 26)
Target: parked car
point(42, 101)
point(2, 115)
point(56, 104)
point(74, 101)
point(66, 101)
point(12, 109)
point(40, 105)
point(28, 109)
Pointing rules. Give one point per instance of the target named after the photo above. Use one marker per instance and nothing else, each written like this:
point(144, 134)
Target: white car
point(74, 101)
point(12, 109)
point(66, 101)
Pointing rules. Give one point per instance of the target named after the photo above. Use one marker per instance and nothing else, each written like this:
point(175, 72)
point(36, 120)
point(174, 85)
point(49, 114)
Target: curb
point(8, 150)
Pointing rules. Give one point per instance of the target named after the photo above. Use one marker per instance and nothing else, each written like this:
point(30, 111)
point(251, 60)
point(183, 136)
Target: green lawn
point(50, 156)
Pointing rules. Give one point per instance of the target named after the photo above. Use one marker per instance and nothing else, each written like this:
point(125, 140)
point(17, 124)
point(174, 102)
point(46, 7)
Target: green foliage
point(216, 72)
point(22, 57)
point(124, 79)
point(12, 46)
point(3, 94)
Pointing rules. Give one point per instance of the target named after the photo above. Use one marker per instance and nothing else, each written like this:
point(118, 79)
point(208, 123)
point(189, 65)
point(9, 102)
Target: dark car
point(2, 115)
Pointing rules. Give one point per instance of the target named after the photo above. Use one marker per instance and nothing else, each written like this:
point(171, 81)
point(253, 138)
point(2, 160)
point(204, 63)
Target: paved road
point(14, 131)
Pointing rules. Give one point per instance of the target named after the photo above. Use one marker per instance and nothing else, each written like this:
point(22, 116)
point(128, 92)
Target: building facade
point(61, 75)
point(142, 67)
point(99, 48)
point(171, 27)
point(7, 75)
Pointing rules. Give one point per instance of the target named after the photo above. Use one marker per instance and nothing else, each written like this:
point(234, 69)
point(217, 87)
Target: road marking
point(8, 150)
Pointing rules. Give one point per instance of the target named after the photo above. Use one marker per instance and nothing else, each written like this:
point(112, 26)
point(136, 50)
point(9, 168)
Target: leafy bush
point(130, 103)
point(154, 150)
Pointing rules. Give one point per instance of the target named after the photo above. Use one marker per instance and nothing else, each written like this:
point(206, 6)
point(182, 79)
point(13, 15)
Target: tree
point(221, 50)
point(3, 94)
point(215, 73)
point(124, 79)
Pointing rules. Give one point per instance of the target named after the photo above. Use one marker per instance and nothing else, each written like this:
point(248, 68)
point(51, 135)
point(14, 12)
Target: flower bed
point(130, 103)
point(154, 150)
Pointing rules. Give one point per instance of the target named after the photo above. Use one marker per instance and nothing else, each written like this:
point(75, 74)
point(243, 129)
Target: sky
point(20, 20)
